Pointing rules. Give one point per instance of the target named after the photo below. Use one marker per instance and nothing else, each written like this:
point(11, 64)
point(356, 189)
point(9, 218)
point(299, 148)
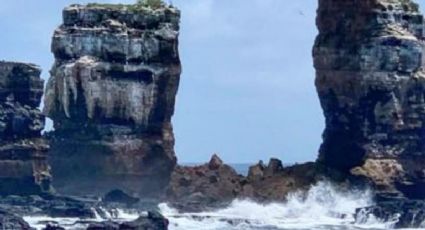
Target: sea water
point(324, 207)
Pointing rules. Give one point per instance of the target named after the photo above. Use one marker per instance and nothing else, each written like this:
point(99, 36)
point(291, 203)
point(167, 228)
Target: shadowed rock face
point(111, 97)
point(23, 158)
point(371, 83)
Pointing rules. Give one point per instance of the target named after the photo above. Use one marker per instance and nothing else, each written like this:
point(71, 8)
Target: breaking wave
point(324, 206)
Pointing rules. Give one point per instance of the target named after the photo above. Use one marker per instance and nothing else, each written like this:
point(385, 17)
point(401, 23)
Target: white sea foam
point(323, 207)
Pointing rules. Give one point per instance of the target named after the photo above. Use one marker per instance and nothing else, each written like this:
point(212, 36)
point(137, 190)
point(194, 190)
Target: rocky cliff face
point(369, 59)
point(111, 97)
point(23, 153)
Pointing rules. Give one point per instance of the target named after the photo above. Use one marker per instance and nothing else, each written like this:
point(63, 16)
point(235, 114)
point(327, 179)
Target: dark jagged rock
point(84, 209)
point(153, 221)
point(118, 196)
point(11, 221)
point(23, 153)
point(53, 227)
point(274, 182)
point(209, 185)
point(216, 184)
point(403, 213)
point(111, 97)
point(215, 162)
point(370, 80)
point(50, 205)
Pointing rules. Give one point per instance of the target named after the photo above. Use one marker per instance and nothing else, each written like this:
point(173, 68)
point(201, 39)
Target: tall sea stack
point(369, 59)
point(111, 97)
point(23, 153)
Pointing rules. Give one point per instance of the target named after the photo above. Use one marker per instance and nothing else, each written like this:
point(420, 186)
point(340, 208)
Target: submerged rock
point(402, 213)
point(370, 79)
point(23, 153)
point(13, 222)
point(118, 196)
point(50, 205)
point(111, 97)
point(153, 221)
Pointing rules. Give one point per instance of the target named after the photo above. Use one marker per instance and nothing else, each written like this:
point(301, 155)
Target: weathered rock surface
point(153, 221)
point(86, 212)
point(216, 184)
point(369, 59)
point(50, 205)
point(118, 196)
point(111, 97)
point(23, 153)
point(273, 182)
point(210, 185)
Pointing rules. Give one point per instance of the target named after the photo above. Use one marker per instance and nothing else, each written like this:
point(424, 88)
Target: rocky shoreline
point(112, 94)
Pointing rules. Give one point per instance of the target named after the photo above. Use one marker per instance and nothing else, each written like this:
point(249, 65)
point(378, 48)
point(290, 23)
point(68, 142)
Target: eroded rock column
point(111, 97)
point(23, 153)
point(369, 59)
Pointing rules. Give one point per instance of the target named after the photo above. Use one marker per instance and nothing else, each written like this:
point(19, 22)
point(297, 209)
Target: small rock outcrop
point(273, 182)
point(216, 184)
point(111, 97)
point(194, 188)
point(369, 60)
point(23, 153)
point(118, 196)
point(153, 221)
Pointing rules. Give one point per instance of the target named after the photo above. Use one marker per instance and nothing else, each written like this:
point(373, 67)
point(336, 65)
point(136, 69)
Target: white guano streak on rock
point(126, 99)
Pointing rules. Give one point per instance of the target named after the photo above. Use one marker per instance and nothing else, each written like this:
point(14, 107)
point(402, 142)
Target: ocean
point(324, 207)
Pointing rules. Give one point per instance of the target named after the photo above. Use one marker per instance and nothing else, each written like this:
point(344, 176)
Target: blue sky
point(247, 89)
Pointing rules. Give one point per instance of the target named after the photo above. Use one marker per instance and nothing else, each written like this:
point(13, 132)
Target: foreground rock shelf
point(80, 212)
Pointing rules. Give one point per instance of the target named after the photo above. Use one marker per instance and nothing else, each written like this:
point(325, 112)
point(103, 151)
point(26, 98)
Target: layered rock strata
point(111, 96)
point(369, 59)
point(23, 153)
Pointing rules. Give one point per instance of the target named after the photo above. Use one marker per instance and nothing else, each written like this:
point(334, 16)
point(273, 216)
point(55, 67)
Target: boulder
point(118, 196)
point(153, 221)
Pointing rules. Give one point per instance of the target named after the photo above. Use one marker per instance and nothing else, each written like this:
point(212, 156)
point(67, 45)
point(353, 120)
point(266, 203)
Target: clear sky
point(247, 89)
